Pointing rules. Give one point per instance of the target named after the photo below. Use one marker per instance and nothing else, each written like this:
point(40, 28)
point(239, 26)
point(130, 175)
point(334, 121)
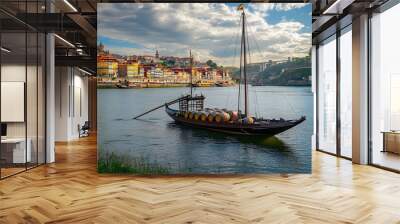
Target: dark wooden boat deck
point(260, 127)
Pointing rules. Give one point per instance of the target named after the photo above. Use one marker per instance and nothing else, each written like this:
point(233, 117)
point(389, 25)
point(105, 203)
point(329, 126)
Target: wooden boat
point(241, 123)
point(203, 83)
point(223, 84)
point(267, 127)
point(122, 85)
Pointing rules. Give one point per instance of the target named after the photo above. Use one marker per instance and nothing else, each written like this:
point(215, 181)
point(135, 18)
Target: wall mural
point(204, 88)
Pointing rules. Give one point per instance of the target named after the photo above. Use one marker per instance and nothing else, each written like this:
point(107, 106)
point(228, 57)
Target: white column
point(50, 92)
point(63, 103)
point(360, 90)
point(50, 99)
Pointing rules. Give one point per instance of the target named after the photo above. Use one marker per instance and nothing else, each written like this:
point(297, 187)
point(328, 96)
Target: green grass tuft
point(112, 163)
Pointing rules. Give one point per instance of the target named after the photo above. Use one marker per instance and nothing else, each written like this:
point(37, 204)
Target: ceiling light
point(337, 7)
point(70, 5)
point(64, 40)
point(86, 72)
point(5, 50)
point(79, 51)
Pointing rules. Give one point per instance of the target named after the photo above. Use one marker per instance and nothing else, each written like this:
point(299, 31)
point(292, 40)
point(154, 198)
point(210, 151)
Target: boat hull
point(266, 127)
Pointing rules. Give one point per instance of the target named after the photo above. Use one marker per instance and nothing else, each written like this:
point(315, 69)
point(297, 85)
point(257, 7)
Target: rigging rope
point(240, 69)
point(249, 53)
point(255, 41)
point(234, 55)
point(290, 105)
point(256, 106)
point(227, 102)
point(252, 36)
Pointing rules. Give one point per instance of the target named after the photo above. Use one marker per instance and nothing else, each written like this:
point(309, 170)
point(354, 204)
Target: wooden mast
point(191, 71)
point(243, 53)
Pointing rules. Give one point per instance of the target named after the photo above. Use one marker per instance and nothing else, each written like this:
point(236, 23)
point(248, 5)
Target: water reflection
point(184, 149)
point(269, 142)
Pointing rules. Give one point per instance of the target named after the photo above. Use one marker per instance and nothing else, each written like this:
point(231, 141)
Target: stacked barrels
point(216, 115)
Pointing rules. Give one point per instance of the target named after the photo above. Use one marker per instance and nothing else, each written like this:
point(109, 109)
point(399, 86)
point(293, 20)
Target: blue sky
point(112, 43)
point(301, 15)
point(280, 30)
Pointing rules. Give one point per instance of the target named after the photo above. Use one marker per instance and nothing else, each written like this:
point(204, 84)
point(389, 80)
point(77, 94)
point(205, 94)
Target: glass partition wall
point(22, 107)
point(334, 104)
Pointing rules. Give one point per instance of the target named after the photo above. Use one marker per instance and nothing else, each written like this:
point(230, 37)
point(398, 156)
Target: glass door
point(346, 92)
point(327, 95)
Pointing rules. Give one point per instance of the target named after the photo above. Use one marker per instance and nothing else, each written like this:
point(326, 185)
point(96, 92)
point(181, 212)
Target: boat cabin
point(192, 103)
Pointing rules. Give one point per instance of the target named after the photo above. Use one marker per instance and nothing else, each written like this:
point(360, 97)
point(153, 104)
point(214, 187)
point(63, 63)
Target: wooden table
point(391, 141)
point(13, 150)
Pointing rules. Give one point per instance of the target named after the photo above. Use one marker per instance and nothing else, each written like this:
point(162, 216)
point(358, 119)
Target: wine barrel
point(226, 117)
point(191, 115)
point(248, 120)
point(211, 116)
point(218, 117)
point(234, 115)
point(197, 116)
point(203, 116)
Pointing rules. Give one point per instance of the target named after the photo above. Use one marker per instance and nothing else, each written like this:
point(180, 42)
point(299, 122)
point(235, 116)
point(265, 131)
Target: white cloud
point(210, 30)
point(263, 8)
point(289, 6)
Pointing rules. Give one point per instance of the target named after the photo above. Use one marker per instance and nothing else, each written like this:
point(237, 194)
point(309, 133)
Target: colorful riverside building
point(122, 70)
point(156, 74)
point(181, 75)
point(107, 68)
point(133, 71)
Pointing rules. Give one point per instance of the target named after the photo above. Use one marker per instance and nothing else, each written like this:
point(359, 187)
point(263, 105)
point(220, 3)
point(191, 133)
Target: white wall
point(33, 126)
point(13, 100)
point(10, 73)
point(62, 81)
point(314, 91)
point(13, 72)
point(71, 87)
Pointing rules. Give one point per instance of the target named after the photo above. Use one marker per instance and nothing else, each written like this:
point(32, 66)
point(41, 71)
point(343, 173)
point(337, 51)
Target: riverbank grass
point(112, 163)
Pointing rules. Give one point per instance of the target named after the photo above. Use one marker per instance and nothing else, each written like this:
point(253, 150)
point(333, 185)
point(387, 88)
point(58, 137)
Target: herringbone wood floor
point(70, 191)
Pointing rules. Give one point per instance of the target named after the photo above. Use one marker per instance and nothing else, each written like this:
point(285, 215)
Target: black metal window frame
point(381, 9)
point(389, 4)
point(339, 32)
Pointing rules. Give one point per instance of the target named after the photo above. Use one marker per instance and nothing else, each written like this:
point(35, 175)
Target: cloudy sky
point(211, 31)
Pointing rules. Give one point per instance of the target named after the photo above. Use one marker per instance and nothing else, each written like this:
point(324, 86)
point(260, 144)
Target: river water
point(184, 150)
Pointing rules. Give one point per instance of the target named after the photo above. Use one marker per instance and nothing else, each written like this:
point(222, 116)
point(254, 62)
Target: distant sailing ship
point(192, 113)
